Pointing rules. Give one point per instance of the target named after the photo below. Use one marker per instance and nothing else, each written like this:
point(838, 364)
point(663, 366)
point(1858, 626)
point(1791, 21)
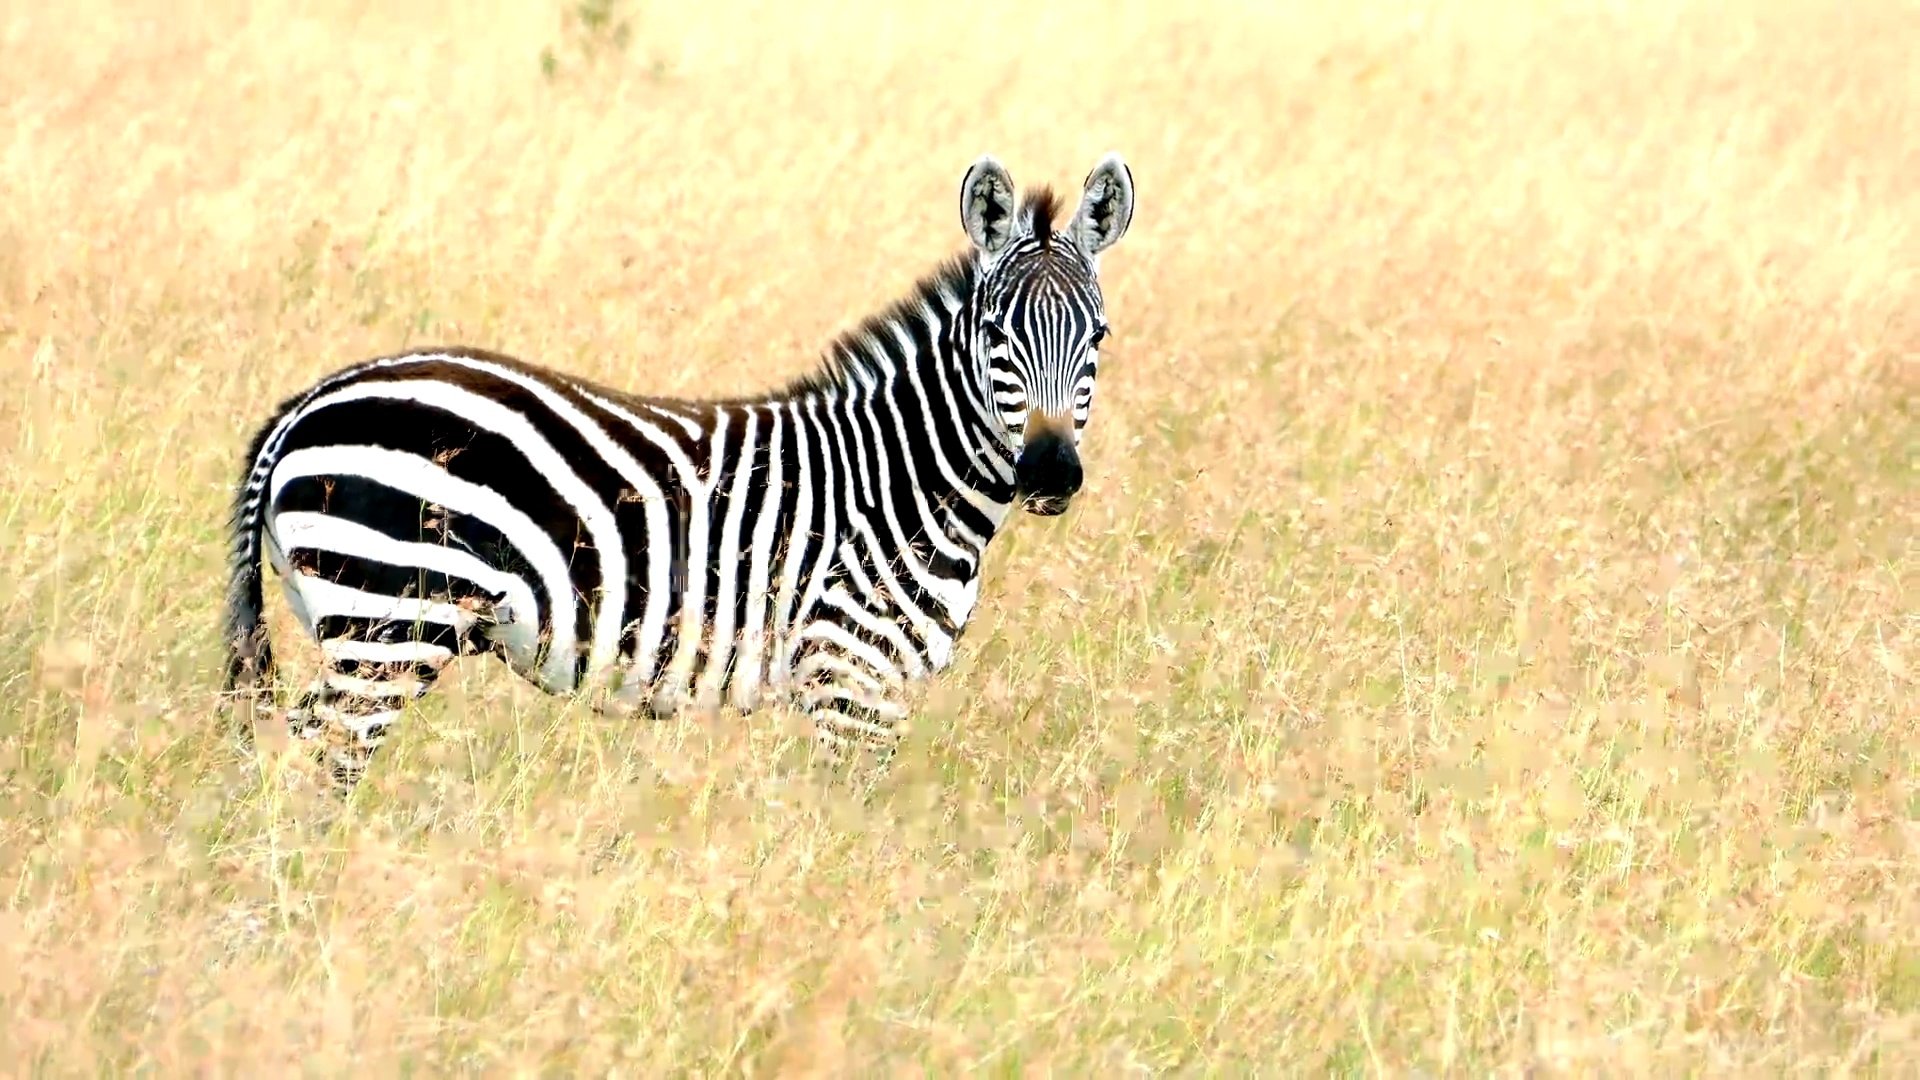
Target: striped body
point(822, 545)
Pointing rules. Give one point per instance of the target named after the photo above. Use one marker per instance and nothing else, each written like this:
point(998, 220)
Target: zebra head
point(1038, 318)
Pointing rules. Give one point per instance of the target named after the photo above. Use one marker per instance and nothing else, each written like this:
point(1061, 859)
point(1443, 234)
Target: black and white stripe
point(822, 543)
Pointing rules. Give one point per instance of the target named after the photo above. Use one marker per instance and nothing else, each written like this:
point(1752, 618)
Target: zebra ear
point(1106, 208)
point(986, 204)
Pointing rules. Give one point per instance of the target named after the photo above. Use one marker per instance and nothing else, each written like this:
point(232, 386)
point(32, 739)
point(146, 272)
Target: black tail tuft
point(249, 654)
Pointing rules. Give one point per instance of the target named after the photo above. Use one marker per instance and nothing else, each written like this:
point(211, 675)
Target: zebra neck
point(915, 423)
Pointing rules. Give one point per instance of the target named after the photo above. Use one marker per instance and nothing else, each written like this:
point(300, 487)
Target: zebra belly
point(854, 636)
point(759, 671)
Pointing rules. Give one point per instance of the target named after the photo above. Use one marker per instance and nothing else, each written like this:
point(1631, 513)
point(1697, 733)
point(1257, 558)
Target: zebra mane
point(1041, 206)
point(852, 354)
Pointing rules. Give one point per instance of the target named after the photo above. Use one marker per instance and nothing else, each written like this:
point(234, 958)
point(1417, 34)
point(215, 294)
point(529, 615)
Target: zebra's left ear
point(1106, 207)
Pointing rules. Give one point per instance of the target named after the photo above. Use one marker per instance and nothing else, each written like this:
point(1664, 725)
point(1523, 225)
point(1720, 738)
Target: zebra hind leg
point(369, 672)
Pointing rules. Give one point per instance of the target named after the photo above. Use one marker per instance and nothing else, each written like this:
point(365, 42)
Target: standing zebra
point(822, 543)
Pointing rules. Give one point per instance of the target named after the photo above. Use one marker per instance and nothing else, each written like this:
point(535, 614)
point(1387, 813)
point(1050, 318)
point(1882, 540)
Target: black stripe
point(717, 562)
point(480, 457)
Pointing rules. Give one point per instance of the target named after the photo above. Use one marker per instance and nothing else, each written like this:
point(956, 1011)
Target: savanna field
point(1486, 642)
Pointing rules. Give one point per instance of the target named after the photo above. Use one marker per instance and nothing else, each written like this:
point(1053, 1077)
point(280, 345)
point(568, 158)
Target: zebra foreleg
point(852, 708)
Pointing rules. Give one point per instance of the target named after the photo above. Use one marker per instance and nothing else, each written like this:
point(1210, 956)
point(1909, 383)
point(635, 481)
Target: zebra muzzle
point(1048, 473)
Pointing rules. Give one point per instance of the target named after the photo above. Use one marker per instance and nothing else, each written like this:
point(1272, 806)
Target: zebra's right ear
point(986, 205)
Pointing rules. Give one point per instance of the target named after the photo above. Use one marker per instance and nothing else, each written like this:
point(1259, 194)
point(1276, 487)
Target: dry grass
point(1487, 642)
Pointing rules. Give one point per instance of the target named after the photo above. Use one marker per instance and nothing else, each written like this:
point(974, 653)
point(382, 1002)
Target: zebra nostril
point(1049, 468)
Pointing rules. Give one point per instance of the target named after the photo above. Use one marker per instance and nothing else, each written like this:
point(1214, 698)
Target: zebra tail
point(249, 654)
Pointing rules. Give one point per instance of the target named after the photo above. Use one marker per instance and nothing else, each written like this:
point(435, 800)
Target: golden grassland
point(1487, 640)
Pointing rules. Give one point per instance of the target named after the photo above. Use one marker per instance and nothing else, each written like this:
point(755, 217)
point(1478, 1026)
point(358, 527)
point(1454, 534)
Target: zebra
point(820, 545)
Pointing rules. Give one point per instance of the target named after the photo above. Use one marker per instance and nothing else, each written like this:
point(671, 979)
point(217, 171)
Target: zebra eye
point(996, 337)
point(1099, 336)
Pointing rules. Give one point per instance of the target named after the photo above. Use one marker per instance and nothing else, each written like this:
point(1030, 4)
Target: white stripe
point(854, 472)
point(826, 720)
point(846, 675)
point(660, 541)
point(833, 633)
point(422, 478)
point(603, 530)
point(655, 436)
point(302, 528)
point(831, 491)
point(278, 559)
point(878, 628)
point(987, 458)
point(692, 605)
point(973, 497)
point(611, 618)
point(923, 626)
point(849, 562)
point(746, 682)
point(939, 588)
point(385, 652)
point(933, 526)
point(324, 598)
point(798, 530)
point(726, 564)
point(940, 650)
point(271, 449)
point(691, 427)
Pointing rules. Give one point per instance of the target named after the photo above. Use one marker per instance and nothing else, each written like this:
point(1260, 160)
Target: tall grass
point(1487, 640)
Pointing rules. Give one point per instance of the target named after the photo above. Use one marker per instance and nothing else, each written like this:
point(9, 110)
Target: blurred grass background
point(1486, 642)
